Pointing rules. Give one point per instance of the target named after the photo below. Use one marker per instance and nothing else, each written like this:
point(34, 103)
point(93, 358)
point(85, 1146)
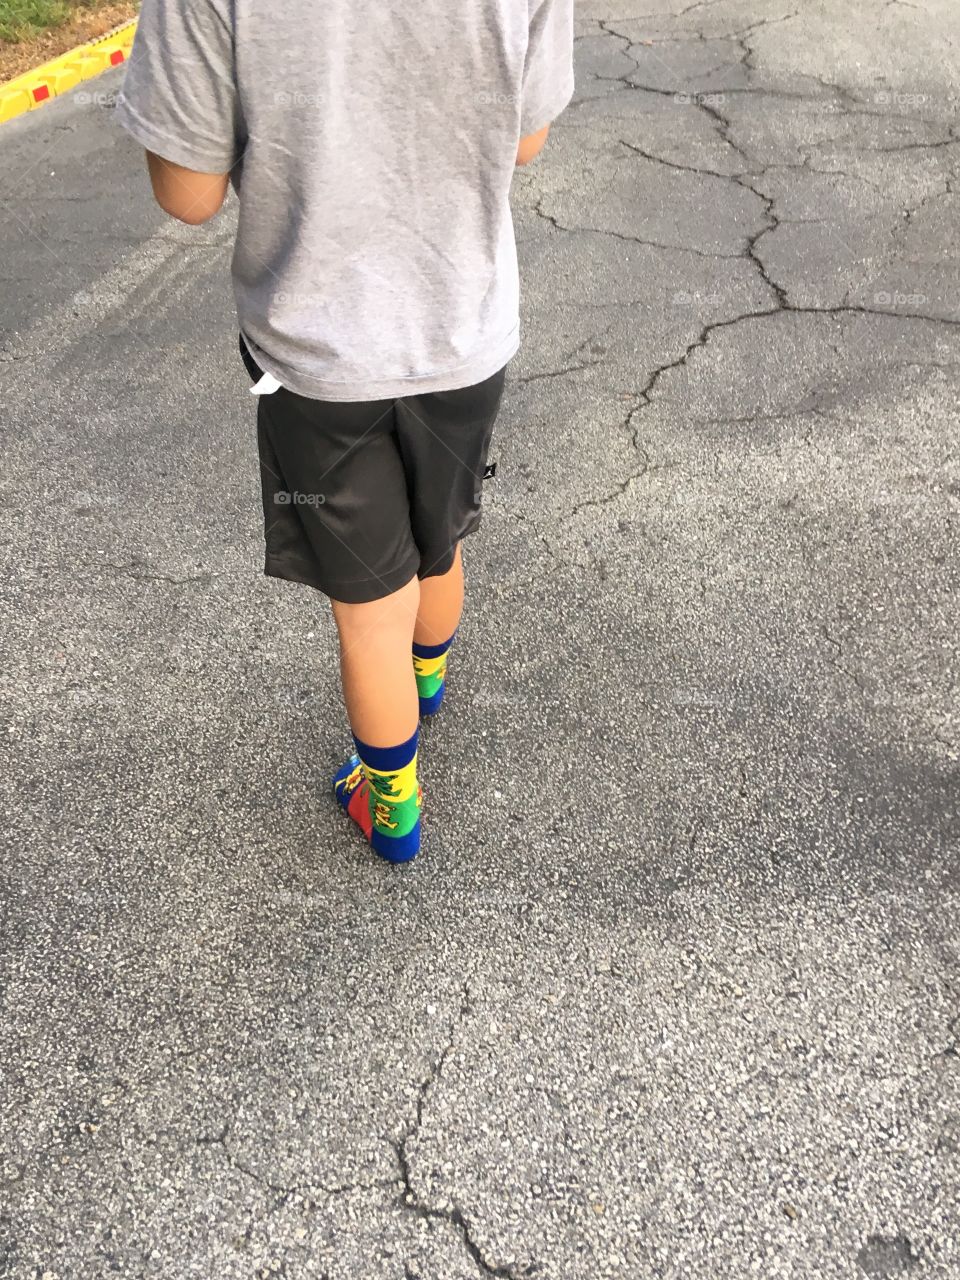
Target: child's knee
point(393, 614)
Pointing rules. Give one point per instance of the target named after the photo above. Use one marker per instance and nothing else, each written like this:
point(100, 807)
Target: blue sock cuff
point(432, 650)
point(387, 759)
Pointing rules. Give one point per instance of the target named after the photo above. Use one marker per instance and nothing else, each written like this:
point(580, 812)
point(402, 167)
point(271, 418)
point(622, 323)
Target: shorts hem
point(445, 564)
point(357, 591)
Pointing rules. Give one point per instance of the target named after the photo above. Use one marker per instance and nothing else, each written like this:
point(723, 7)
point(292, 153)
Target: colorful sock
point(378, 788)
point(430, 668)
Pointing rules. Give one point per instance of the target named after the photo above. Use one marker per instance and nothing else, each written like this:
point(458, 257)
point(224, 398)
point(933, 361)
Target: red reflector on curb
point(51, 79)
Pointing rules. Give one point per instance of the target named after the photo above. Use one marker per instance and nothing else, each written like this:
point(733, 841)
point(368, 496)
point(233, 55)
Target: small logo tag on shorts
point(490, 471)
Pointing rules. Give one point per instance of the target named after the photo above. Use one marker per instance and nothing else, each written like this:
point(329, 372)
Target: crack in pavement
point(410, 1198)
point(524, 379)
point(307, 1193)
point(674, 164)
point(784, 309)
point(837, 664)
point(606, 498)
point(747, 60)
point(541, 537)
point(937, 145)
point(771, 223)
point(645, 395)
point(724, 128)
point(783, 306)
point(851, 104)
point(555, 373)
point(623, 235)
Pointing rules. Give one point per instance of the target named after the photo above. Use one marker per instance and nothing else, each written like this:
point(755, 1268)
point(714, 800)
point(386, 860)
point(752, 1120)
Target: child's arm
point(531, 146)
point(547, 73)
point(184, 193)
point(179, 101)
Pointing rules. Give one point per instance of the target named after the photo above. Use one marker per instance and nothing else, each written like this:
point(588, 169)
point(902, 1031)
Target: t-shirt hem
point(482, 366)
point(169, 148)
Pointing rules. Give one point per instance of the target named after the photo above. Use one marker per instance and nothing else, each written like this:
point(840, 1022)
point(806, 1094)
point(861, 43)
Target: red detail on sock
point(41, 93)
point(116, 57)
point(358, 807)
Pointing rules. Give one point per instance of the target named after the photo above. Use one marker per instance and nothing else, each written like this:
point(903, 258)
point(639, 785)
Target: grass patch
point(33, 31)
point(23, 19)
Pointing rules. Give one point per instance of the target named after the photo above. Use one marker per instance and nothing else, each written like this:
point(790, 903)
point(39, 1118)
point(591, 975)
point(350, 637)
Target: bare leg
point(379, 688)
point(441, 603)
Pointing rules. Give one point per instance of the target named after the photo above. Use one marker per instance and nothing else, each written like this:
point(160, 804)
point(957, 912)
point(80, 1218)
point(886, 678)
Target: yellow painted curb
point(34, 88)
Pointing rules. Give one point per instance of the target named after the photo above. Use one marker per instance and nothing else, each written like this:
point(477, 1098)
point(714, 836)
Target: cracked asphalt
point(673, 991)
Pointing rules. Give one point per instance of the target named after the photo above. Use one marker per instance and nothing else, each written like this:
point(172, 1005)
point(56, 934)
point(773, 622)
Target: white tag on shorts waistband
point(267, 385)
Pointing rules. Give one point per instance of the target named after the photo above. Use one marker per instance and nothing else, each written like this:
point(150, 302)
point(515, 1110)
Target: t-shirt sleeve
point(548, 69)
point(179, 96)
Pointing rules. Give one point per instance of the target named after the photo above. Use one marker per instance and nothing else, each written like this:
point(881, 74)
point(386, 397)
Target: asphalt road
point(673, 990)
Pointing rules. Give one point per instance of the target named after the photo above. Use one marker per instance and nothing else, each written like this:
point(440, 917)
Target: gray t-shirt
point(372, 147)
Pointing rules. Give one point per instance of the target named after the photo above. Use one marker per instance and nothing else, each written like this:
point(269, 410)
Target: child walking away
point(371, 147)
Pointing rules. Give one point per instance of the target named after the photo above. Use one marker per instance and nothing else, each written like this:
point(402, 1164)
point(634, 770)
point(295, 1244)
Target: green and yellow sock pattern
point(378, 788)
point(430, 669)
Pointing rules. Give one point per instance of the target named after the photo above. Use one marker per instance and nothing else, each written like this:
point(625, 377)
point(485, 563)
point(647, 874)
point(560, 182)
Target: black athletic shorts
point(361, 496)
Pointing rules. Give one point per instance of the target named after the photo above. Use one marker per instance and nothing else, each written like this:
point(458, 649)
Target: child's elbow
point(531, 146)
point(193, 215)
point(184, 194)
